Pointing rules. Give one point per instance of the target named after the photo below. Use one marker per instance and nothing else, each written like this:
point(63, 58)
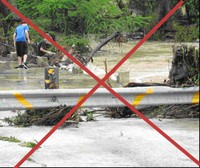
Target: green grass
point(15, 140)
point(9, 139)
point(28, 144)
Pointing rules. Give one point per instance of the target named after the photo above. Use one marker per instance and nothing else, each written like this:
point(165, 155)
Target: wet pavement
point(105, 142)
point(33, 78)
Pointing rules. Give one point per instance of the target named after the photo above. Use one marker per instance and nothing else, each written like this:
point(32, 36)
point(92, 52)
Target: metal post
point(123, 77)
point(51, 78)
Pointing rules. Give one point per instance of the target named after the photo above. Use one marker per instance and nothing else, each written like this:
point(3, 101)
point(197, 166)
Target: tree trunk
point(65, 17)
point(104, 42)
point(53, 18)
point(164, 6)
point(187, 8)
point(120, 4)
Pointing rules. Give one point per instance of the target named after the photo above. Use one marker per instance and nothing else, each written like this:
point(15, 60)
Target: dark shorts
point(22, 48)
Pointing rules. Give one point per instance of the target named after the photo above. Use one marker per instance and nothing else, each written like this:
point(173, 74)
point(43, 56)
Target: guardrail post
point(51, 78)
point(123, 77)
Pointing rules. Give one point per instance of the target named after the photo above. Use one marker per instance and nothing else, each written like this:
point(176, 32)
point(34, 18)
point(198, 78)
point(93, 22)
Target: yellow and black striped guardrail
point(158, 95)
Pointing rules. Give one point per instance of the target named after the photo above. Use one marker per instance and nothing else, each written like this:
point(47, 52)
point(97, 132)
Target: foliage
point(28, 144)
point(186, 33)
point(15, 140)
point(192, 9)
point(50, 116)
point(82, 17)
point(90, 116)
point(28, 8)
point(143, 7)
point(9, 139)
point(78, 41)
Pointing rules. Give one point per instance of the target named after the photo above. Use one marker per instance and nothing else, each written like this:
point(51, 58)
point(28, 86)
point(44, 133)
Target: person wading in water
point(20, 40)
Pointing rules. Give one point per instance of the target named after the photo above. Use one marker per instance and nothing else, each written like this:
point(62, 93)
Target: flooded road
point(127, 142)
point(33, 78)
point(151, 63)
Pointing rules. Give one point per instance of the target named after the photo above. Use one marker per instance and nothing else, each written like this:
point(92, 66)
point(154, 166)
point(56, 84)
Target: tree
point(192, 11)
point(81, 16)
point(7, 19)
point(142, 7)
point(3, 14)
point(163, 7)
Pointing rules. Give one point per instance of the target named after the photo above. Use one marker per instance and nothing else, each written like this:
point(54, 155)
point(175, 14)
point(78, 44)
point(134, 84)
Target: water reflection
point(33, 78)
point(150, 63)
point(22, 75)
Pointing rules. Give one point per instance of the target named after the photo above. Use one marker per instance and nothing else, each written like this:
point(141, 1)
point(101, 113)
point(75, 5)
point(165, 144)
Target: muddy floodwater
point(33, 78)
point(150, 63)
point(127, 142)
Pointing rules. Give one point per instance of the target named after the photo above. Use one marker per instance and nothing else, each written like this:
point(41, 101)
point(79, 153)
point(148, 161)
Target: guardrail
point(158, 95)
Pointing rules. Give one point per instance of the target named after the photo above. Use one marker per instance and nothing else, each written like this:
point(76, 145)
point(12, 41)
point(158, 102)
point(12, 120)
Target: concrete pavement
point(105, 142)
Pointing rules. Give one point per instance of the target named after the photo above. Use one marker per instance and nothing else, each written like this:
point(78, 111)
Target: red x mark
point(100, 82)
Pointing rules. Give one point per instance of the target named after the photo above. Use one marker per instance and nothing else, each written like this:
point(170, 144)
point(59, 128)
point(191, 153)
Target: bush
point(79, 42)
point(186, 33)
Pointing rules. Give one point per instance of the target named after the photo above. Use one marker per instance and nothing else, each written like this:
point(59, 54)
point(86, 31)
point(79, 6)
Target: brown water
point(33, 78)
point(150, 63)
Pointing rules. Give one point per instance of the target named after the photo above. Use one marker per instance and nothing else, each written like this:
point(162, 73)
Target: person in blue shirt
point(21, 39)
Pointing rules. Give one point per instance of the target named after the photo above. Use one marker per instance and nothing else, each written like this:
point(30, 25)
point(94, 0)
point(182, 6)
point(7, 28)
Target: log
point(135, 84)
point(103, 42)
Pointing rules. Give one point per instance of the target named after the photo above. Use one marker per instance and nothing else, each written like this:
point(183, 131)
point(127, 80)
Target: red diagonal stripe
point(67, 116)
point(112, 71)
point(50, 39)
point(146, 37)
point(153, 125)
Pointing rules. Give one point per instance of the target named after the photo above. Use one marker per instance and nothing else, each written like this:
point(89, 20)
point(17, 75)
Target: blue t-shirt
point(20, 33)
